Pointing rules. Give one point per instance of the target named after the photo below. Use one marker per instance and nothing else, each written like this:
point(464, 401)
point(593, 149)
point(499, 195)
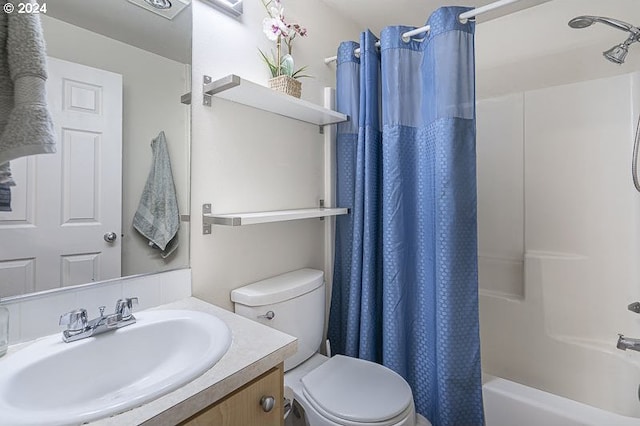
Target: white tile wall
point(37, 315)
point(14, 329)
point(169, 291)
point(148, 295)
point(91, 298)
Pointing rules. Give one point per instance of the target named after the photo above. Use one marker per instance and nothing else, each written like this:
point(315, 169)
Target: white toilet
point(332, 391)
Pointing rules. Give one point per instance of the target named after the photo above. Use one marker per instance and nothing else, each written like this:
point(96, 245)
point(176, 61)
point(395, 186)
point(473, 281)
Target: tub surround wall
point(37, 315)
point(250, 160)
point(579, 235)
point(500, 157)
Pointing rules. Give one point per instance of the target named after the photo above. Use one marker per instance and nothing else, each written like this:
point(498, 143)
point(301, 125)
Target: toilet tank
point(297, 300)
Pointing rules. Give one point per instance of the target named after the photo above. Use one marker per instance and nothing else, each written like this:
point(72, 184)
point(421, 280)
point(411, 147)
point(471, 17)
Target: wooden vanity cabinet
point(243, 406)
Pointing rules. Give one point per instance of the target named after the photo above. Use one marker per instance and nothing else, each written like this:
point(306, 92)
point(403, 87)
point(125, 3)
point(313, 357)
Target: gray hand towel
point(5, 175)
point(157, 217)
point(5, 197)
point(6, 182)
point(26, 127)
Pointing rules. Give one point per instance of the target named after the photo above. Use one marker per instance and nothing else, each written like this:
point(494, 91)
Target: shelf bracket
point(206, 96)
point(321, 129)
point(206, 227)
point(210, 88)
point(321, 203)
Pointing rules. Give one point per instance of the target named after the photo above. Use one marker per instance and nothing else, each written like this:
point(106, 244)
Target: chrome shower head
point(618, 53)
point(586, 21)
point(581, 22)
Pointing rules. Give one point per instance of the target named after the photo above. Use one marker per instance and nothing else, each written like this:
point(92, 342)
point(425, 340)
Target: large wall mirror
point(117, 70)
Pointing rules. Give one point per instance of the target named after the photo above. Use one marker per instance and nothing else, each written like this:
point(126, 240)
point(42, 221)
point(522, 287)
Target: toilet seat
point(356, 392)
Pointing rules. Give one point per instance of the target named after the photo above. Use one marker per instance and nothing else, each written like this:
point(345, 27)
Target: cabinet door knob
point(267, 403)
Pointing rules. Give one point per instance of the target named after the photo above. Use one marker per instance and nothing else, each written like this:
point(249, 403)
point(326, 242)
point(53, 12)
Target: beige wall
point(249, 160)
point(152, 86)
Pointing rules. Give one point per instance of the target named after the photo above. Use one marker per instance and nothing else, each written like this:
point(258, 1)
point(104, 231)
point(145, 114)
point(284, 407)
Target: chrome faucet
point(78, 327)
point(625, 343)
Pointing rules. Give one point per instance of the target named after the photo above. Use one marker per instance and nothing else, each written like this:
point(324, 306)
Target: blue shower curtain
point(405, 285)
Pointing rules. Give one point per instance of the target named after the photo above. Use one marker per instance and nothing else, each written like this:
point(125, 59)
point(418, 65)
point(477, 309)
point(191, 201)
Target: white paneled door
point(66, 205)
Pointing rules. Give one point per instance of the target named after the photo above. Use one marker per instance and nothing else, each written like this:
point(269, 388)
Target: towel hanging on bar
point(6, 182)
point(157, 217)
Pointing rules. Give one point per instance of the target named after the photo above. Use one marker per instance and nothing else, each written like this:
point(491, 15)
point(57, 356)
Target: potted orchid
point(284, 76)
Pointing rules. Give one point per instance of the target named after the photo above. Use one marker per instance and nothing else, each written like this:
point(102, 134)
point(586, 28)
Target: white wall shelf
point(237, 89)
point(254, 218)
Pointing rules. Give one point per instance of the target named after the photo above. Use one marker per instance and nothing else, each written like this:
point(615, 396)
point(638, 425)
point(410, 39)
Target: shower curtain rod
point(463, 18)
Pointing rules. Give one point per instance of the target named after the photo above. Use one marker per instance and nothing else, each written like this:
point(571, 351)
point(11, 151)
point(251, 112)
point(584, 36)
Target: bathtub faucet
point(625, 343)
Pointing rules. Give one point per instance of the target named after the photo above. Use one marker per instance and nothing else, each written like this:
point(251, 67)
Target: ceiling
point(521, 31)
point(131, 24)
point(377, 14)
point(524, 32)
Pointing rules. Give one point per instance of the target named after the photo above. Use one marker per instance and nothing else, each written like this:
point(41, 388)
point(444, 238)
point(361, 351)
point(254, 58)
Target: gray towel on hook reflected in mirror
point(157, 217)
point(26, 127)
point(5, 197)
point(6, 182)
point(6, 177)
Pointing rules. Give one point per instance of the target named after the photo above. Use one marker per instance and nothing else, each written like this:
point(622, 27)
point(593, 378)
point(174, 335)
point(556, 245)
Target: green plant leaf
point(297, 74)
point(273, 68)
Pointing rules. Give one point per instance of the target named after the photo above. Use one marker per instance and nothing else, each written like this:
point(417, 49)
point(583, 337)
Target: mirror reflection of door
point(65, 204)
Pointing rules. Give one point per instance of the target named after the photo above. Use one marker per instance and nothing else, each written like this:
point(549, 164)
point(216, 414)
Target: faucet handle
point(75, 320)
point(125, 306)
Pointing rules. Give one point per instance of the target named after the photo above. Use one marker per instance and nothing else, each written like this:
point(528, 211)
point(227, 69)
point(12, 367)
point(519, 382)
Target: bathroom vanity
point(244, 387)
point(252, 404)
point(229, 393)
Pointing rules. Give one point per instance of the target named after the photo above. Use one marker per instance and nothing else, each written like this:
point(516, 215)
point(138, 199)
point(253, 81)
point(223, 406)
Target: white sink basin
point(56, 383)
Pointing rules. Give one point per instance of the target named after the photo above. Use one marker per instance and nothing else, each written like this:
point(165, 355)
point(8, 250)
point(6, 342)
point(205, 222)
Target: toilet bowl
point(337, 391)
point(343, 391)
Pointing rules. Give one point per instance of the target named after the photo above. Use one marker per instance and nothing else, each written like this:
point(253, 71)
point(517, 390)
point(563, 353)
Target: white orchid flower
point(274, 28)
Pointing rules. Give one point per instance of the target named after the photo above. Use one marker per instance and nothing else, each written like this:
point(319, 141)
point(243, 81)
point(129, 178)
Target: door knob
point(110, 237)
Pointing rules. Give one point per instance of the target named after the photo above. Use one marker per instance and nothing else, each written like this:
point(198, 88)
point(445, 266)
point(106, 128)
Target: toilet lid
point(357, 390)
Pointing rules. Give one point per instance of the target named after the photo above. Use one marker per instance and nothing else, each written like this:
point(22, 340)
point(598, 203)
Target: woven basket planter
point(286, 84)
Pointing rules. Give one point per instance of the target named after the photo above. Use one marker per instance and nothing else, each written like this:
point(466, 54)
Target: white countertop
point(254, 350)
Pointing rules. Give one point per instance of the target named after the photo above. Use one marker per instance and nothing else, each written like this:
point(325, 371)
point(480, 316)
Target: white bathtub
point(508, 403)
